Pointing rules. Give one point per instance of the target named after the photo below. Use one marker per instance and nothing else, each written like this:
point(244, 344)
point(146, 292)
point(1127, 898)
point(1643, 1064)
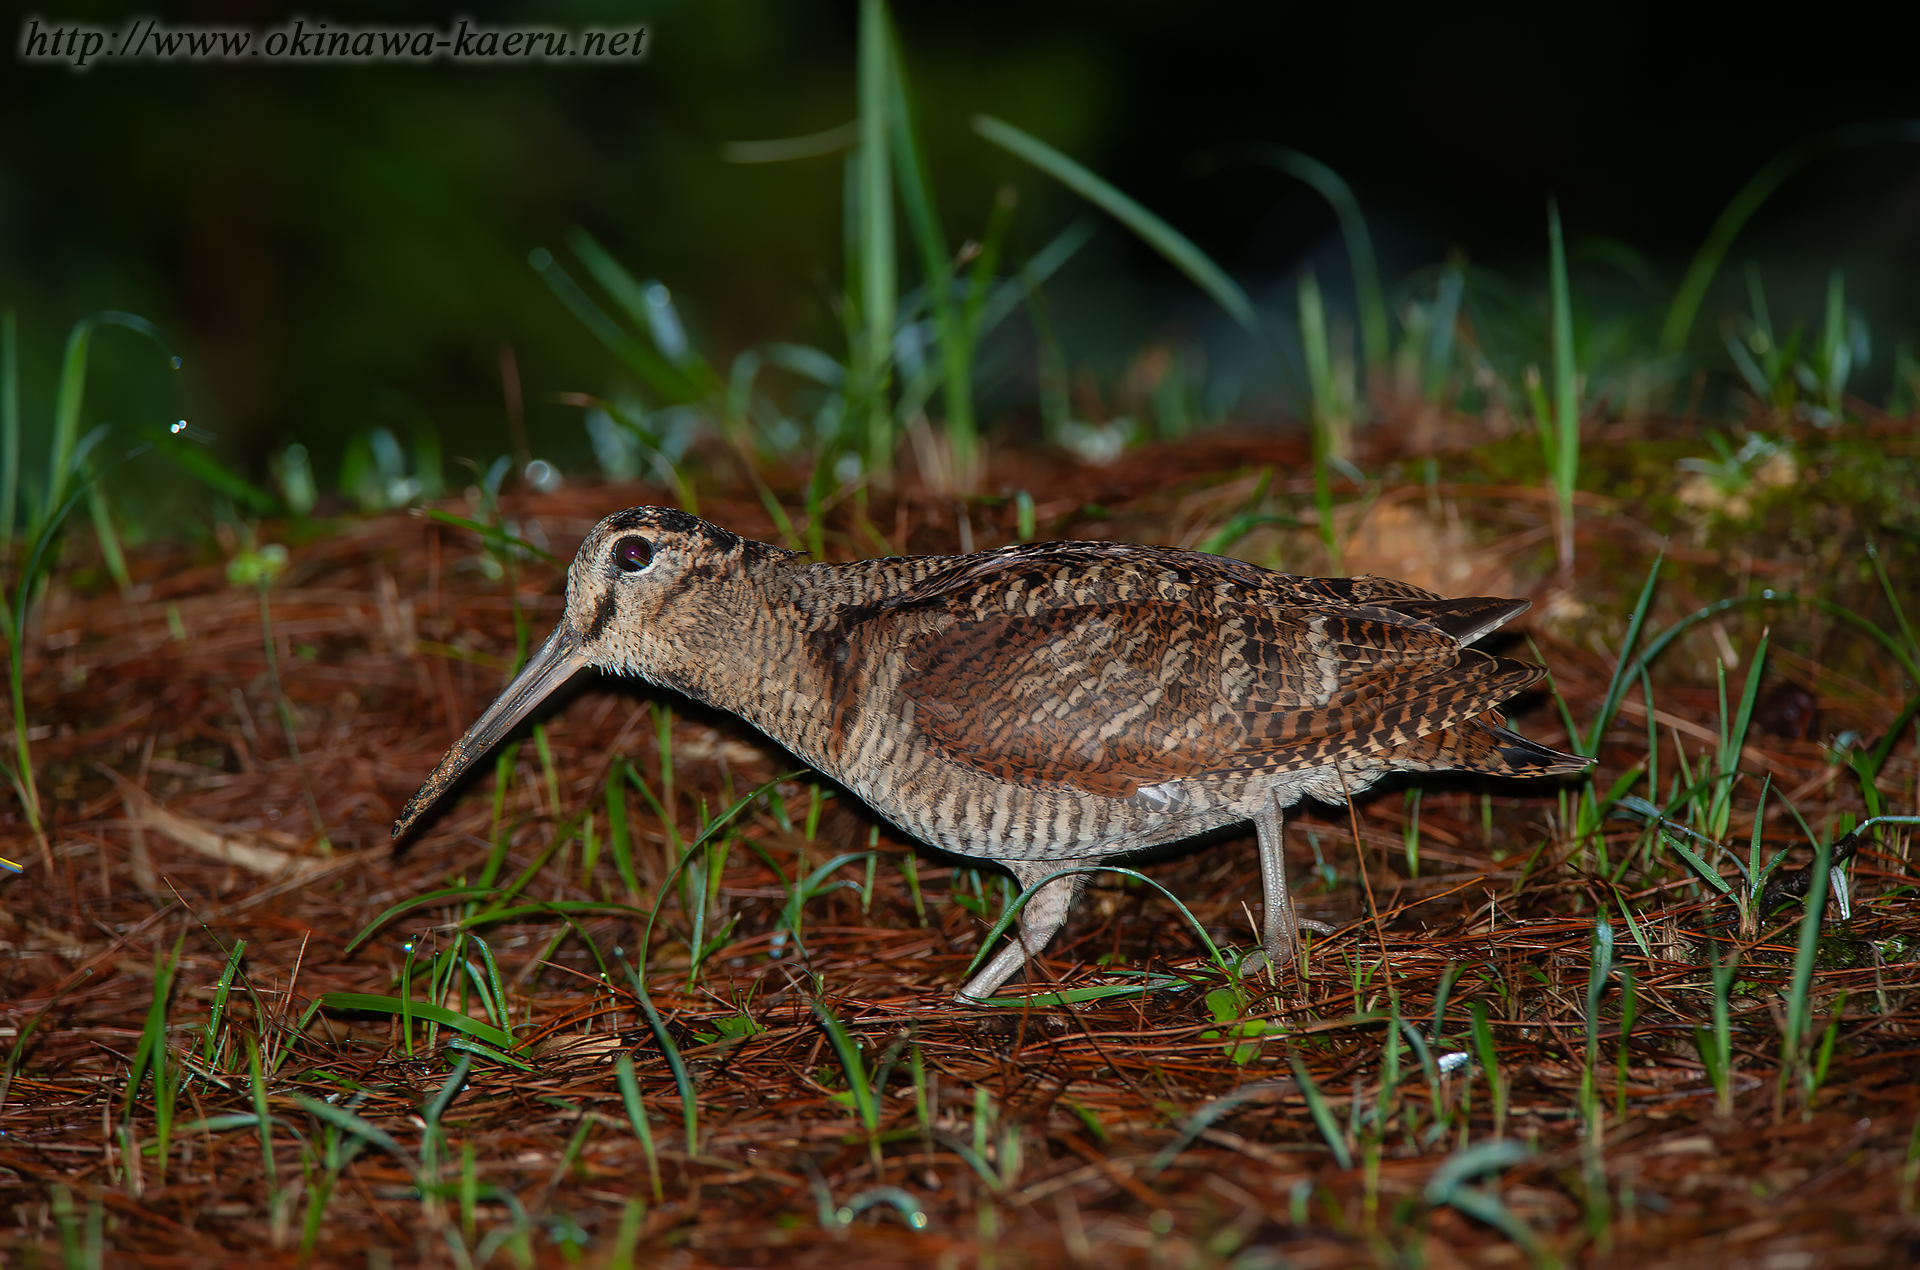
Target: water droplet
point(175, 361)
point(178, 428)
point(543, 476)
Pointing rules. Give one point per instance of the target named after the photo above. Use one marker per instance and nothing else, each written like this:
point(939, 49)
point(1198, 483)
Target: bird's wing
point(1113, 672)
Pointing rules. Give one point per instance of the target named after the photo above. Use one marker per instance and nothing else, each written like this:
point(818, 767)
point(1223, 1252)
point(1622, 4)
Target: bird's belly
point(937, 797)
point(961, 809)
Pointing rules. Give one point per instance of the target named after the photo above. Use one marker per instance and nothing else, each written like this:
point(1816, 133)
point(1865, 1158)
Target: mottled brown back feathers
point(1108, 668)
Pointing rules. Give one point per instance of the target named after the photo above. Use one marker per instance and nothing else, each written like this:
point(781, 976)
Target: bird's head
point(640, 585)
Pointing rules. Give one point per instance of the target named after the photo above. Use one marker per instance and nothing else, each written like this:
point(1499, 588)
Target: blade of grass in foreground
point(1322, 1114)
point(637, 1117)
point(1448, 1187)
point(864, 1100)
point(689, 1099)
point(1803, 960)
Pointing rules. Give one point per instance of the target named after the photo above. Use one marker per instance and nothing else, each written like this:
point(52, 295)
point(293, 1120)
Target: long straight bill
point(552, 666)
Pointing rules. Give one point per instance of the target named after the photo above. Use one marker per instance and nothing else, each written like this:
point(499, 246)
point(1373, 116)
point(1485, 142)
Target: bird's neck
point(763, 645)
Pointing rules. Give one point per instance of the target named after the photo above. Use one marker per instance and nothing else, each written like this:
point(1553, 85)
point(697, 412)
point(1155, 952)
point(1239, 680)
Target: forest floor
point(228, 1038)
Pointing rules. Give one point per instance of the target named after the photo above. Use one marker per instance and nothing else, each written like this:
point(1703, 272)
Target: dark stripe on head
point(602, 618)
point(674, 521)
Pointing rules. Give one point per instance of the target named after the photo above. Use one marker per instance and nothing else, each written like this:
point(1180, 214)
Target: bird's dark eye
point(632, 554)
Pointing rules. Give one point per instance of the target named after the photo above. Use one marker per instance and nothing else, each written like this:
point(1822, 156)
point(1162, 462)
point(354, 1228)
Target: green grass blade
point(699, 379)
point(1566, 397)
point(1803, 959)
point(1658, 644)
point(465, 1045)
point(9, 423)
point(1012, 912)
point(257, 1085)
point(1599, 965)
point(108, 538)
point(21, 771)
point(73, 385)
point(376, 1004)
point(344, 1120)
point(499, 1009)
point(449, 1090)
point(864, 1100)
point(1756, 874)
point(1448, 977)
point(217, 1014)
point(1759, 187)
point(1447, 1187)
point(923, 221)
point(655, 371)
point(1323, 413)
point(1705, 870)
point(1633, 926)
point(786, 149)
point(415, 901)
point(1178, 249)
point(1623, 671)
point(637, 1116)
point(1374, 330)
point(986, 265)
point(1488, 1055)
point(150, 1052)
point(1893, 598)
point(493, 535)
point(689, 1099)
point(874, 185)
point(1737, 738)
point(212, 473)
point(715, 826)
point(618, 833)
point(1322, 1114)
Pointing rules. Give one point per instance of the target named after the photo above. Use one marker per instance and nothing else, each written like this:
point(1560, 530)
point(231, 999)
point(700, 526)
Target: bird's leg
point(1039, 920)
point(1277, 921)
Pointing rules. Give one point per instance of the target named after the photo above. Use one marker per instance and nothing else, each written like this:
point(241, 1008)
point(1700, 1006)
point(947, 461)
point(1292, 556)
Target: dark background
point(330, 247)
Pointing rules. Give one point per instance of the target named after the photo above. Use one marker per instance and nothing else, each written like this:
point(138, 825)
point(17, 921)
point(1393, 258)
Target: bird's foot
point(1277, 954)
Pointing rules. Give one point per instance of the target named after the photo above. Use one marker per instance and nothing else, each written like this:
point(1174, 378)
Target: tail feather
point(1466, 620)
point(1478, 746)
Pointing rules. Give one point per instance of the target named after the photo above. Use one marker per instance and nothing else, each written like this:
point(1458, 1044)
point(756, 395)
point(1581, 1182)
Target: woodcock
point(1042, 706)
